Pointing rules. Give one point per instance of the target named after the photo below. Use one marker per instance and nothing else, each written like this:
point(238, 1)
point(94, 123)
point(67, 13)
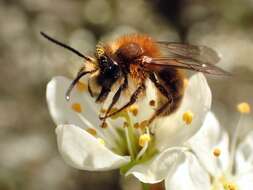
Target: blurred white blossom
point(213, 164)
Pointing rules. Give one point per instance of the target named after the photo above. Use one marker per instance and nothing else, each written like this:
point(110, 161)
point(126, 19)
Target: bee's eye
point(103, 62)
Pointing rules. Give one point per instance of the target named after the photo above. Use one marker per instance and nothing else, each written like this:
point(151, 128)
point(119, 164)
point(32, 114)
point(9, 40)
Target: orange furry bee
point(139, 57)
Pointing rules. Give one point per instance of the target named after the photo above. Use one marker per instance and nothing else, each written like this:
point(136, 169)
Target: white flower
point(85, 145)
point(212, 165)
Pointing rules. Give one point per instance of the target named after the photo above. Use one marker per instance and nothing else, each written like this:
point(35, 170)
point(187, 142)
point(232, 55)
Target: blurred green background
point(29, 158)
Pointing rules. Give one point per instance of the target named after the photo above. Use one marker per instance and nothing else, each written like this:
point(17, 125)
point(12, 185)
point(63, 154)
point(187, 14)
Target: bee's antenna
point(73, 83)
point(65, 46)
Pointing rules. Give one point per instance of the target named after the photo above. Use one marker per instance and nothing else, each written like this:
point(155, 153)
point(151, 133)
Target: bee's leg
point(132, 100)
point(103, 94)
point(115, 98)
point(165, 93)
point(89, 89)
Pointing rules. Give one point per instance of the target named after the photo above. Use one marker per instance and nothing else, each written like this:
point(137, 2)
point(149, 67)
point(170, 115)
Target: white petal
point(60, 108)
point(156, 169)
point(189, 175)
point(208, 138)
point(172, 130)
point(145, 110)
point(83, 151)
point(244, 155)
point(245, 182)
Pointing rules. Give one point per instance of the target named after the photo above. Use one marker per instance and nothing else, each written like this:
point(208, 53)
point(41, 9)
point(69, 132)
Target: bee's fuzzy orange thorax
point(146, 43)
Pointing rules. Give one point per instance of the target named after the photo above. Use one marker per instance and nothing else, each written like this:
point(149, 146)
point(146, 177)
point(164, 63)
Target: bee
point(139, 58)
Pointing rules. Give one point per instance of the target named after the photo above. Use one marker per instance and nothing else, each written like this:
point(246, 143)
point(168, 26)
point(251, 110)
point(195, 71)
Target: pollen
point(230, 186)
point(76, 107)
point(243, 107)
point(80, 86)
point(216, 152)
point(134, 109)
point(188, 117)
point(152, 103)
point(92, 131)
point(101, 141)
point(143, 139)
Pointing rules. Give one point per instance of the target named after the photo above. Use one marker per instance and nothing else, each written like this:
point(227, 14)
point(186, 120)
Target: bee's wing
point(196, 53)
point(152, 64)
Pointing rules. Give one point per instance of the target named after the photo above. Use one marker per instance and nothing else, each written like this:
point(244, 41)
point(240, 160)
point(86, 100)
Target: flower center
point(138, 138)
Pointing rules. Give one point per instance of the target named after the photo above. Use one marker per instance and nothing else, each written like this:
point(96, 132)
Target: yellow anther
point(243, 107)
point(76, 107)
point(143, 139)
point(188, 117)
point(152, 102)
point(216, 152)
point(92, 131)
point(143, 124)
point(186, 82)
point(81, 86)
point(125, 124)
point(136, 125)
point(230, 186)
point(133, 109)
point(101, 141)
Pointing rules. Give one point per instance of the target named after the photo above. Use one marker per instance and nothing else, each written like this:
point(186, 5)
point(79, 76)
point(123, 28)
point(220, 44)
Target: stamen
point(243, 108)
point(129, 144)
point(133, 109)
point(92, 131)
point(152, 103)
point(188, 117)
point(101, 141)
point(80, 86)
point(230, 186)
point(216, 152)
point(145, 138)
point(76, 107)
point(109, 141)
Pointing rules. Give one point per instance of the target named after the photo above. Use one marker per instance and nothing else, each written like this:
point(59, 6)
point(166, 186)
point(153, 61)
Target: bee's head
point(109, 68)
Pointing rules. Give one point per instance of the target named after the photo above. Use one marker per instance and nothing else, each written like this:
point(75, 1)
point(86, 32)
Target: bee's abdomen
point(173, 81)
